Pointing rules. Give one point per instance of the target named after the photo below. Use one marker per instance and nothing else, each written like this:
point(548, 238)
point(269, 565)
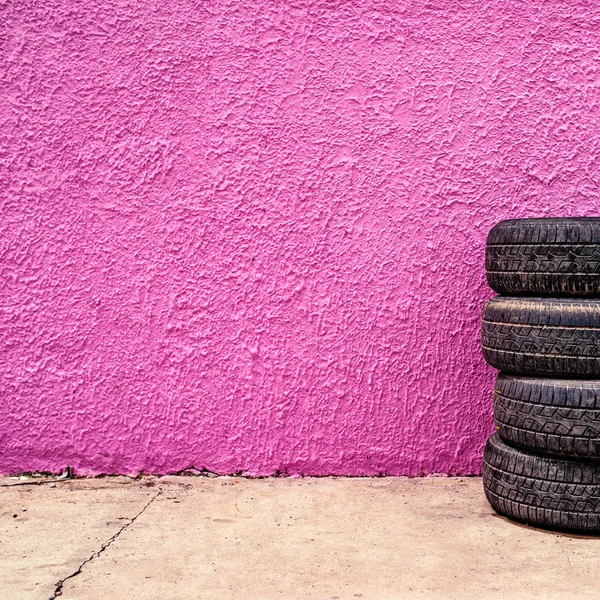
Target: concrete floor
point(223, 538)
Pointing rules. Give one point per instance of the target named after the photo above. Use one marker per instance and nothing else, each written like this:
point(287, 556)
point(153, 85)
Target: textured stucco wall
point(249, 236)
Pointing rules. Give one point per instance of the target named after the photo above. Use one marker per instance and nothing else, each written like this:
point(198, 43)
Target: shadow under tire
point(539, 490)
point(537, 257)
point(559, 417)
point(556, 337)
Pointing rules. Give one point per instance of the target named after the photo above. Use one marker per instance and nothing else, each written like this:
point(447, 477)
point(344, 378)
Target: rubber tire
point(559, 417)
point(546, 492)
point(543, 336)
point(537, 257)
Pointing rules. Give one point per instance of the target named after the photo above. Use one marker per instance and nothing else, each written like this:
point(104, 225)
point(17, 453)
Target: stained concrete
point(190, 538)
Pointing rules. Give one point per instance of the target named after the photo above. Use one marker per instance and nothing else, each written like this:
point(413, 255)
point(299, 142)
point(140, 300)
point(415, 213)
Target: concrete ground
point(223, 538)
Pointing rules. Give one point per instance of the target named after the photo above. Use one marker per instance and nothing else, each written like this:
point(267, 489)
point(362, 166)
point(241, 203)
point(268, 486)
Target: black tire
point(560, 417)
point(543, 336)
point(538, 490)
point(537, 257)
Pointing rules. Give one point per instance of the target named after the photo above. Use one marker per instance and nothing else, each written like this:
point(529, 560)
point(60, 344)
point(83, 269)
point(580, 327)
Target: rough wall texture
point(248, 236)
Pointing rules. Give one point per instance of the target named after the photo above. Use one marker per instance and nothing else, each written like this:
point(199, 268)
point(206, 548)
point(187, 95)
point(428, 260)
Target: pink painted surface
point(249, 236)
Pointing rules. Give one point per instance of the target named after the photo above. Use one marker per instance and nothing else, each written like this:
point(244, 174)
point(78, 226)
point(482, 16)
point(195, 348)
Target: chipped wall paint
point(248, 236)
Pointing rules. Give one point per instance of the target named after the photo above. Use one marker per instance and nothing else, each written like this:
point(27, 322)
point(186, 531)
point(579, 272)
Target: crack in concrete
point(105, 545)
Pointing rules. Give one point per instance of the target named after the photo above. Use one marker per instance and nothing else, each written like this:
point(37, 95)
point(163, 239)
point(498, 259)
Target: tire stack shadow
point(542, 466)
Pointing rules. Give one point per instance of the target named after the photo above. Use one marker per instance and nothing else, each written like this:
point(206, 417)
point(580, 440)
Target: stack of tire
point(542, 466)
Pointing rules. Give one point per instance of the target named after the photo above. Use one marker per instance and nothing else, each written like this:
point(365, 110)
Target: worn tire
point(543, 336)
point(539, 490)
point(536, 257)
point(560, 417)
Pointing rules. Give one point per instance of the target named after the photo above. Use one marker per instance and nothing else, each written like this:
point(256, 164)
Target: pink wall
point(249, 236)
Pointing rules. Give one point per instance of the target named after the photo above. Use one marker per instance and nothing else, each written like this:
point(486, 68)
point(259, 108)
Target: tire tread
point(543, 491)
point(557, 257)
